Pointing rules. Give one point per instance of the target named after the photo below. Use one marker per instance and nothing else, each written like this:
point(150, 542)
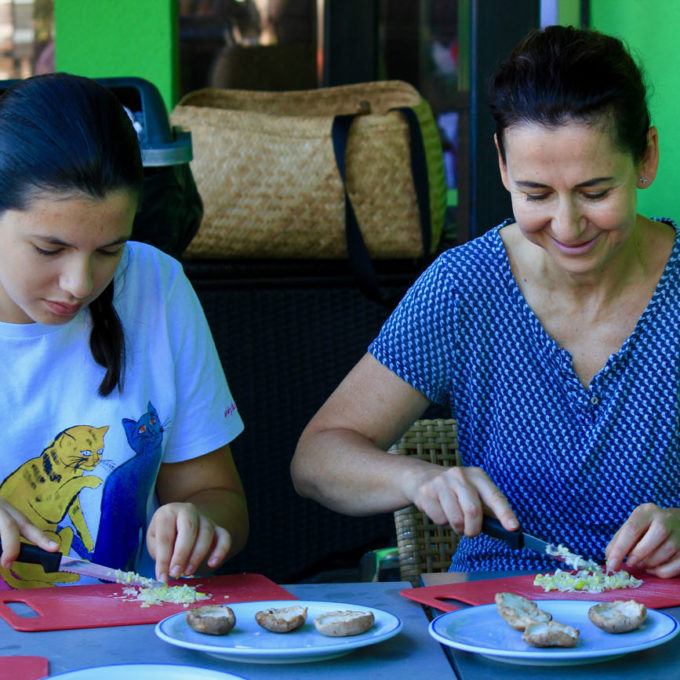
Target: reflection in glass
point(26, 38)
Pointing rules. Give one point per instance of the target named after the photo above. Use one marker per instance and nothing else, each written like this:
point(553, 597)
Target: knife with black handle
point(520, 539)
point(515, 539)
point(56, 561)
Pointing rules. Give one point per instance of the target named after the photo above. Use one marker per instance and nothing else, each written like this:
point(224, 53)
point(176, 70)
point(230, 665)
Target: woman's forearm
point(346, 472)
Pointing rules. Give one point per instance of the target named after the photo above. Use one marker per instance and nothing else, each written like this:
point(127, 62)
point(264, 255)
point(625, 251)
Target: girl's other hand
point(180, 539)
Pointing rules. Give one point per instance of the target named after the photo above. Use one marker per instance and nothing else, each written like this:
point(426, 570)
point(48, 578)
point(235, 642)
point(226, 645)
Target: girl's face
point(573, 190)
point(60, 253)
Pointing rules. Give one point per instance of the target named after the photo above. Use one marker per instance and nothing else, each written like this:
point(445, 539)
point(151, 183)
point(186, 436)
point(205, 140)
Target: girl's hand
point(649, 539)
point(13, 525)
point(458, 496)
point(180, 539)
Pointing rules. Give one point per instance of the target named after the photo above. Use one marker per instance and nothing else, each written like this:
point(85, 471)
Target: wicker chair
point(424, 546)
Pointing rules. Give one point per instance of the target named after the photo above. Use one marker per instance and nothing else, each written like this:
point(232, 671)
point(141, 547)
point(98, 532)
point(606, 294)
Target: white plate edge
point(349, 643)
point(556, 654)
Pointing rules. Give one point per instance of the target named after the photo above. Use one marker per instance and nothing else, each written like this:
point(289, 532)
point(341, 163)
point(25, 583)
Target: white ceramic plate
point(250, 643)
point(145, 671)
point(482, 630)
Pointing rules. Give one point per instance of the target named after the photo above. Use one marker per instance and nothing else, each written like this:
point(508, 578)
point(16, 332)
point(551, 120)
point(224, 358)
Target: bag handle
point(359, 257)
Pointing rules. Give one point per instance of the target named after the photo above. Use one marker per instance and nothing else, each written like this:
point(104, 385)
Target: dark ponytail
point(67, 134)
point(107, 341)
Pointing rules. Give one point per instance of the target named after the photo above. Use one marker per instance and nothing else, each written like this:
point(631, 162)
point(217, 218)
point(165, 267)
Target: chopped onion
point(588, 576)
point(150, 595)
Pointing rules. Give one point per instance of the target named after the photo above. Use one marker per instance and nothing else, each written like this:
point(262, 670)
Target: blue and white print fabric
point(573, 461)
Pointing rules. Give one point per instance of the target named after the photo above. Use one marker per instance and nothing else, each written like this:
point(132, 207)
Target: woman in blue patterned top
point(554, 339)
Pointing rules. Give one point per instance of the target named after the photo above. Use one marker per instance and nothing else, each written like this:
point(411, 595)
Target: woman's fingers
point(669, 569)
point(627, 537)
point(649, 538)
point(458, 496)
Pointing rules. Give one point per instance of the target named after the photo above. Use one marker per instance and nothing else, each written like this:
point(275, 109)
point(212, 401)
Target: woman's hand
point(649, 539)
point(459, 496)
point(180, 539)
point(13, 525)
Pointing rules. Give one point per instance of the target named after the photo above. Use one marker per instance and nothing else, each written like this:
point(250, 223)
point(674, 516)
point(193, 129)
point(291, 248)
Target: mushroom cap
point(620, 616)
point(519, 611)
point(550, 634)
point(211, 619)
point(283, 619)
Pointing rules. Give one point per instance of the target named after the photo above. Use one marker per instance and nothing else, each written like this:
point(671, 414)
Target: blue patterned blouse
point(572, 461)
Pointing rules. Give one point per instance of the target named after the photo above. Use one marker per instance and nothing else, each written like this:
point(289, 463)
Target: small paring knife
point(520, 539)
point(56, 561)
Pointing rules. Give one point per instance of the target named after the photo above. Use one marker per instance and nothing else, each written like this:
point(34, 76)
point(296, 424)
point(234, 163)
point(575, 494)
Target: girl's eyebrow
point(587, 183)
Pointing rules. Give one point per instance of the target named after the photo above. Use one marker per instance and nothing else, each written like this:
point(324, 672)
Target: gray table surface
point(658, 663)
point(408, 655)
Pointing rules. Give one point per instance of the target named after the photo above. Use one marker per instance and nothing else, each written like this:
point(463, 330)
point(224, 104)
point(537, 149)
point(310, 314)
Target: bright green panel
point(569, 12)
point(119, 38)
point(651, 30)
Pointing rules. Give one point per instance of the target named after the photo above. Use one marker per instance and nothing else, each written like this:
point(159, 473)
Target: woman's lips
point(62, 308)
point(576, 248)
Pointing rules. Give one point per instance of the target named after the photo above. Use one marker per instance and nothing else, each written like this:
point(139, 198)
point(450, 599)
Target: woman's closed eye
point(589, 195)
point(536, 197)
point(594, 196)
point(45, 252)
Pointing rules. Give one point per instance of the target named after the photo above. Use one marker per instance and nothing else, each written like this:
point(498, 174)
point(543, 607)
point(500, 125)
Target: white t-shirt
point(83, 467)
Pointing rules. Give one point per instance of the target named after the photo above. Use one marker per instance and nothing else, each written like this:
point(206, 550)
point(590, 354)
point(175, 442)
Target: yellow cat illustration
point(46, 488)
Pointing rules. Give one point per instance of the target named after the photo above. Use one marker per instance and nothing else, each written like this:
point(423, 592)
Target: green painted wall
point(569, 12)
point(651, 30)
point(114, 38)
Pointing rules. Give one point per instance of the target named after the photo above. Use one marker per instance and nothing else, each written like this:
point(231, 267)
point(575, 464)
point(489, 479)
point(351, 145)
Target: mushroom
point(344, 623)
point(211, 619)
point(550, 634)
point(282, 620)
point(518, 611)
point(620, 616)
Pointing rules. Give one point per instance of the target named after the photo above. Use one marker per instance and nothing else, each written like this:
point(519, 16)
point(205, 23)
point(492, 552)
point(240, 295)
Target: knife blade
point(520, 539)
point(56, 561)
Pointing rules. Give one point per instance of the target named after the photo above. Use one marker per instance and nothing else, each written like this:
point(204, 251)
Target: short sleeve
point(417, 342)
point(206, 416)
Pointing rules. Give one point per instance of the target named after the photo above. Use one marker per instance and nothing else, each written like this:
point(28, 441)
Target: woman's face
point(60, 253)
point(573, 190)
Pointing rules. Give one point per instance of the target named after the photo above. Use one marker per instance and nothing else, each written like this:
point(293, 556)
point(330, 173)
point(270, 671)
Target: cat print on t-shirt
point(47, 489)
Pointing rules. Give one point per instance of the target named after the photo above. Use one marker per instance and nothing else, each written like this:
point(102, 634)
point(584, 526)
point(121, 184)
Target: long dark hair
point(563, 73)
point(67, 134)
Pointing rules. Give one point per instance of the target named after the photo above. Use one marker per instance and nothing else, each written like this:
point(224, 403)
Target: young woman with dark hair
point(117, 414)
point(552, 338)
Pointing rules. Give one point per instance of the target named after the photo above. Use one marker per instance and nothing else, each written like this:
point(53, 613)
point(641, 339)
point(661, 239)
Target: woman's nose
point(76, 278)
point(566, 221)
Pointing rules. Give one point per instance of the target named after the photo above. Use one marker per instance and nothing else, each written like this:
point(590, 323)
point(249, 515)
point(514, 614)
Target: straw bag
point(315, 173)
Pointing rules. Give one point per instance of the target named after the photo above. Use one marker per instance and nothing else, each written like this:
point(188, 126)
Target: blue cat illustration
point(123, 520)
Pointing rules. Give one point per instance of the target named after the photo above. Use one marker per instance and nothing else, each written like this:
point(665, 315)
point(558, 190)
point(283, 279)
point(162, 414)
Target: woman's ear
point(501, 163)
point(650, 161)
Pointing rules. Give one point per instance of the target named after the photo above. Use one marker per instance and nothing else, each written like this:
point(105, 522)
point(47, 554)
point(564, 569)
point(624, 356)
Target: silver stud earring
point(643, 180)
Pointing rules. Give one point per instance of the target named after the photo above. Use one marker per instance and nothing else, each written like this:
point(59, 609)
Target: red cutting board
point(23, 667)
point(655, 593)
point(60, 608)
